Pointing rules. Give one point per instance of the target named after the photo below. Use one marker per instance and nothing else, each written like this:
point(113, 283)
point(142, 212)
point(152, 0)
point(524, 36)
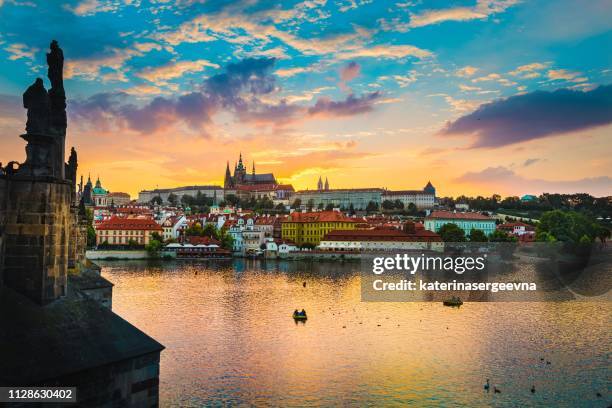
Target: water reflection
point(231, 339)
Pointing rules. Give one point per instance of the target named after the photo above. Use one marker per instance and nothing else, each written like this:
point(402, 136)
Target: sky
point(479, 97)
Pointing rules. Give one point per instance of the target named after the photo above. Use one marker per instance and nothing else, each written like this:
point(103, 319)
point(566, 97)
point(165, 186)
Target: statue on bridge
point(46, 125)
point(36, 101)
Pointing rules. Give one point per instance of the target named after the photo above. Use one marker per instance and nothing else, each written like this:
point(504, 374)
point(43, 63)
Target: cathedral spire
point(326, 184)
point(320, 184)
point(240, 165)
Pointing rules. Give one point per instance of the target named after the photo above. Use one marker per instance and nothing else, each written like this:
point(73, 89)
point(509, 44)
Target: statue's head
point(39, 82)
point(54, 45)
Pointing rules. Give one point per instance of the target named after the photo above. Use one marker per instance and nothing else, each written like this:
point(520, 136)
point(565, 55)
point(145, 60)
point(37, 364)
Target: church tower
point(320, 184)
point(240, 171)
point(326, 184)
point(228, 182)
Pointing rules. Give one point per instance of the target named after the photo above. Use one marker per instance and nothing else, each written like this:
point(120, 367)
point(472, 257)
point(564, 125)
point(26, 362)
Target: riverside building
point(467, 221)
point(311, 227)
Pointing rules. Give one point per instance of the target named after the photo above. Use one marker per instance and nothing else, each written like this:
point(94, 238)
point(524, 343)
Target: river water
point(230, 340)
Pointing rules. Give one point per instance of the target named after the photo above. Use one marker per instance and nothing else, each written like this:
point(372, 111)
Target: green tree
point(566, 226)
point(187, 200)
point(226, 239)
point(173, 199)
point(372, 207)
point(297, 203)
point(399, 204)
point(501, 236)
point(157, 200)
point(210, 230)
point(412, 209)
point(91, 236)
point(153, 247)
point(310, 205)
point(329, 207)
point(451, 233)
point(603, 234)
point(232, 199)
point(388, 205)
point(477, 235)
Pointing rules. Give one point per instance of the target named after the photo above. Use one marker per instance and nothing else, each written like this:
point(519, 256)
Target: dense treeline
point(599, 207)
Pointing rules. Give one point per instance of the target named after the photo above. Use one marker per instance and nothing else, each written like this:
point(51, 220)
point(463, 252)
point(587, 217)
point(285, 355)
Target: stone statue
point(36, 101)
point(57, 96)
point(71, 167)
point(55, 61)
point(46, 126)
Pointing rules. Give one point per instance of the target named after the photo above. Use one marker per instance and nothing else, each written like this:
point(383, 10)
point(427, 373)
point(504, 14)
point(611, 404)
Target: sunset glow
point(366, 93)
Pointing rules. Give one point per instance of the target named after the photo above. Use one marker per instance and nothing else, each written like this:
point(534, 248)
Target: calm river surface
point(230, 340)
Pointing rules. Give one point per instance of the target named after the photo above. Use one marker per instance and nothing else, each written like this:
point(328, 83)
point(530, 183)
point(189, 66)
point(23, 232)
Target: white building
point(253, 237)
point(423, 199)
point(216, 193)
point(380, 239)
point(172, 226)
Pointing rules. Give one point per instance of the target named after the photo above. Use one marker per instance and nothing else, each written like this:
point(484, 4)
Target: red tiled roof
point(321, 216)
point(196, 240)
point(285, 187)
point(459, 215)
point(511, 225)
point(116, 223)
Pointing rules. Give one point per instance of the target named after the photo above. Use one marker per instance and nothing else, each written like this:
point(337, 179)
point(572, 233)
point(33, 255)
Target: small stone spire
point(253, 167)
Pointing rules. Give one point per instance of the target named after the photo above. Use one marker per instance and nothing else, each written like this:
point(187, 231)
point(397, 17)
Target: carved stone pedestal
point(42, 157)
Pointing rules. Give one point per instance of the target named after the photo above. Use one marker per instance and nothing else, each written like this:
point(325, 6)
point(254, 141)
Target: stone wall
point(36, 237)
point(127, 383)
point(3, 198)
point(116, 254)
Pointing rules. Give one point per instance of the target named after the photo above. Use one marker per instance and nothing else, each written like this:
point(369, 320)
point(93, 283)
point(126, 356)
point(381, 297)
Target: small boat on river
point(453, 302)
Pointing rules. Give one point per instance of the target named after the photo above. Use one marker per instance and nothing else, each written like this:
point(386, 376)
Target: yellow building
point(302, 228)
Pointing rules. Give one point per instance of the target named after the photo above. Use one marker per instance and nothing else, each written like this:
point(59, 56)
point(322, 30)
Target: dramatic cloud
point(385, 52)
point(289, 72)
point(232, 90)
point(529, 71)
point(529, 162)
point(534, 115)
point(350, 71)
point(90, 7)
point(173, 70)
point(241, 90)
point(17, 51)
point(467, 71)
point(505, 181)
point(350, 106)
point(482, 10)
point(565, 75)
